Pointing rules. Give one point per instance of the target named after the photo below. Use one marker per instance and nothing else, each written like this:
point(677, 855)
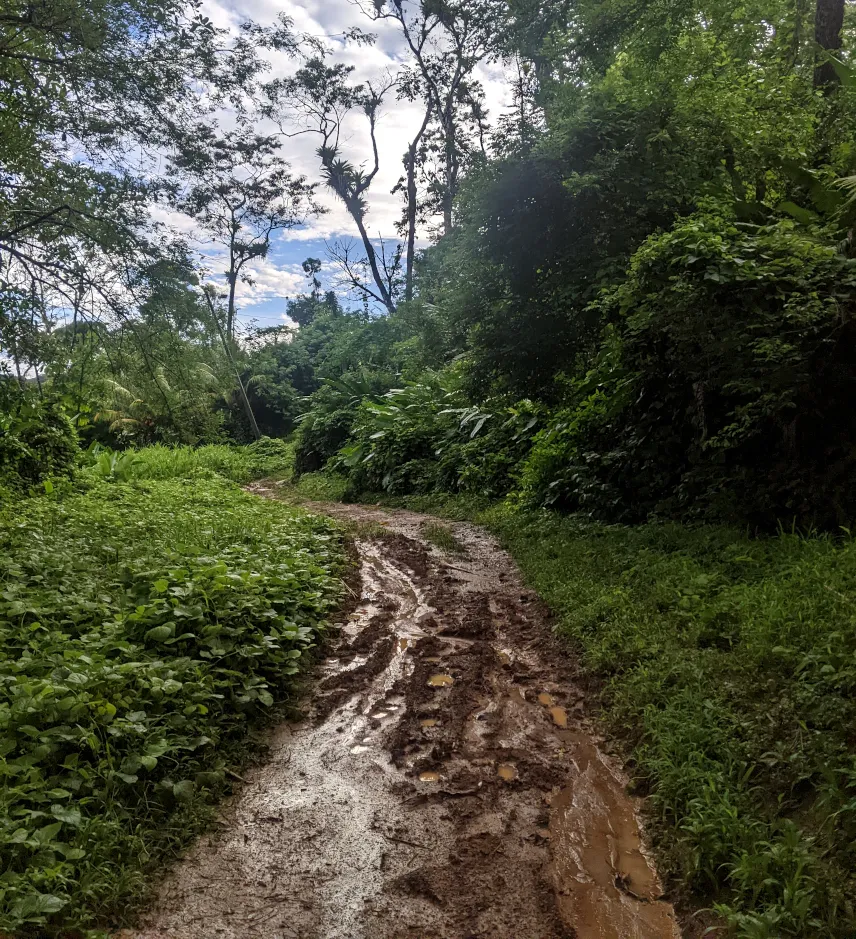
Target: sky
point(280, 275)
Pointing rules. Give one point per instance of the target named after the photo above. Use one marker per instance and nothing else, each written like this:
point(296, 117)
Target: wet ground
point(443, 785)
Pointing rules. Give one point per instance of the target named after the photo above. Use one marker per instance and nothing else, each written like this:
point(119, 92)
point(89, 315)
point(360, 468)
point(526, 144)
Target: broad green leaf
point(183, 790)
point(159, 633)
point(36, 905)
point(67, 815)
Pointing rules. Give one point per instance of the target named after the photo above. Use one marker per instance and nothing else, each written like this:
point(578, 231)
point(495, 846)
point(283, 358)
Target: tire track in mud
point(443, 785)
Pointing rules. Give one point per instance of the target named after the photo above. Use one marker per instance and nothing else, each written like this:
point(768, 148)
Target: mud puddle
point(443, 785)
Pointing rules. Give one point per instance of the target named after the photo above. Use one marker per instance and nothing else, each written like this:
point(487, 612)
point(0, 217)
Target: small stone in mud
point(428, 722)
point(440, 681)
point(429, 776)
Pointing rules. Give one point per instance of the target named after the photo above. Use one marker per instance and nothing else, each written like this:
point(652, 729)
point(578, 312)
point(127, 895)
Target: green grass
point(728, 667)
point(442, 537)
point(146, 630)
point(320, 487)
point(241, 464)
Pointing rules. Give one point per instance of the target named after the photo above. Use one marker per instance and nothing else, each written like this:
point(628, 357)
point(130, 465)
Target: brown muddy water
point(443, 785)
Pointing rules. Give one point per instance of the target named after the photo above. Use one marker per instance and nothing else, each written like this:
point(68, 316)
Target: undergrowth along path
point(444, 782)
point(142, 646)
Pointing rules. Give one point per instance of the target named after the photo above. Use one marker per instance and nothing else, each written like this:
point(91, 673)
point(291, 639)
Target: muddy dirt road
point(443, 784)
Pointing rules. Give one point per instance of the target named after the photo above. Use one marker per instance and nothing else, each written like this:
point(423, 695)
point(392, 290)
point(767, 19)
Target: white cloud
point(270, 281)
point(177, 221)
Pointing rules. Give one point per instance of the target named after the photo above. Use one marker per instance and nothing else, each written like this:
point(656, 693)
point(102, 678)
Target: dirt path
point(442, 786)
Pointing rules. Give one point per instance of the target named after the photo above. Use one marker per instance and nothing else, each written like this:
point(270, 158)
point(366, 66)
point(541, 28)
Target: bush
point(425, 437)
point(330, 416)
point(37, 438)
point(726, 389)
point(398, 439)
point(141, 640)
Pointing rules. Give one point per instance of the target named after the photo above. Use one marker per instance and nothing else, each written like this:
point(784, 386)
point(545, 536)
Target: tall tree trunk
point(828, 21)
point(230, 310)
point(451, 168)
point(411, 223)
point(17, 362)
point(227, 346)
point(83, 360)
point(371, 254)
point(449, 194)
point(352, 199)
point(411, 204)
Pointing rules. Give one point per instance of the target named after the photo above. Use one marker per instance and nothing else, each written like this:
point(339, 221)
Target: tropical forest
point(427, 469)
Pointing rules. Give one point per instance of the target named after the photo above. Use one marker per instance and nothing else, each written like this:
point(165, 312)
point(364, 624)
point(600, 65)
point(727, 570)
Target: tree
point(91, 95)
point(211, 299)
point(447, 40)
point(104, 82)
point(312, 267)
point(241, 192)
point(320, 98)
point(519, 130)
point(828, 21)
point(409, 89)
point(411, 163)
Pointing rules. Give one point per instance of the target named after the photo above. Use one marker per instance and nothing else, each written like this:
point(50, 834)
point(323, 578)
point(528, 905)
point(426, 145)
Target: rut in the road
point(444, 783)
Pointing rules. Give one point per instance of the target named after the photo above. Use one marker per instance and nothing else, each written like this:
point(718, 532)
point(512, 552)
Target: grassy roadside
point(142, 643)
point(241, 464)
point(729, 667)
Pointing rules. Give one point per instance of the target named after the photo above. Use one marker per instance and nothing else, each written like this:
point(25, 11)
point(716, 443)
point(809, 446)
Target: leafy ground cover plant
point(144, 630)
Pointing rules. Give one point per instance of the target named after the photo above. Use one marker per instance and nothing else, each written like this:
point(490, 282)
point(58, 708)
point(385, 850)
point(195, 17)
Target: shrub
point(727, 387)
point(425, 437)
point(398, 438)
point(330, 416)
point(37, 438)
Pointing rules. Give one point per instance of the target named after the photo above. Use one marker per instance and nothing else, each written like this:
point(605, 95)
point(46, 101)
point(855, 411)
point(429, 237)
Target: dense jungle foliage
point(632, 330)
